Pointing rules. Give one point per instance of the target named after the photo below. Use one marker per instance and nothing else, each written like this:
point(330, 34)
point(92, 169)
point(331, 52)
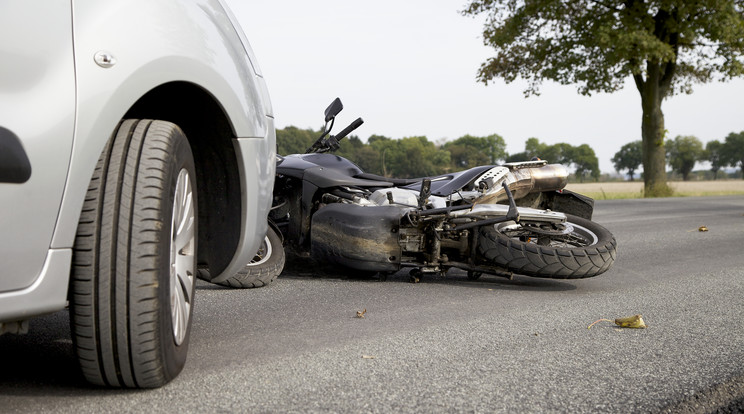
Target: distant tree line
point(683, 152)
point(418, 157)
point(582, 158)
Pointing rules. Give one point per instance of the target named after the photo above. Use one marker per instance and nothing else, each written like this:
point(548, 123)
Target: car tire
point(134, 259)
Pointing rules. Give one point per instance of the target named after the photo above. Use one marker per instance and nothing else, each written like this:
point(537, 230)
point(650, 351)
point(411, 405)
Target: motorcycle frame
point(293, 214)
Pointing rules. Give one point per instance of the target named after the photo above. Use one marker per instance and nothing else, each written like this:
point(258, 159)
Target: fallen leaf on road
point(360, 314)
point(702, 228)
point(635, 321)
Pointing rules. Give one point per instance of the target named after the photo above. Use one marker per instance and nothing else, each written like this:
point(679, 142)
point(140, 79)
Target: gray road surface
point(451, 345)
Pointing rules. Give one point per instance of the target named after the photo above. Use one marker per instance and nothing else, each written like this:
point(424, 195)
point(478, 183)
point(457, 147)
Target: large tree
point(663, 45)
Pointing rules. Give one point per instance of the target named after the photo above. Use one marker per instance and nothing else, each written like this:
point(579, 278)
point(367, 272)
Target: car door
point(37, 120)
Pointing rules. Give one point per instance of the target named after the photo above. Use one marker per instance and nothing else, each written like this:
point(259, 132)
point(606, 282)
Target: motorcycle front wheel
point(578, 248)
point(265, 266)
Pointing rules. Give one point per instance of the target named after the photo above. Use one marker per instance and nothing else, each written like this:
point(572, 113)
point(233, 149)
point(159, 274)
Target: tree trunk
point(652, 130)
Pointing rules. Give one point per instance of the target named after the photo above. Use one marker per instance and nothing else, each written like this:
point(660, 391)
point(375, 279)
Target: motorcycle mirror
point(333, 109)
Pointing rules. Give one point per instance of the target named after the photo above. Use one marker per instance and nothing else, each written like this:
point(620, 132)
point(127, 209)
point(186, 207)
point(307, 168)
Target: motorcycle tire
point(265, 266)
point(586, 249)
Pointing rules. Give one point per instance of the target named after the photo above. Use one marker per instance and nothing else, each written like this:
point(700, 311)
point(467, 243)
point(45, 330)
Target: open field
point(626, 189)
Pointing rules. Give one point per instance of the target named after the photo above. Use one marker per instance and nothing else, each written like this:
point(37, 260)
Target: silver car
point(137, 148)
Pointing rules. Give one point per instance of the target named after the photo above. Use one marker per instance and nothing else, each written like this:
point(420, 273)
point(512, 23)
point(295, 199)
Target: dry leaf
point(635, 321)
point(702, 228)
point(360, 314)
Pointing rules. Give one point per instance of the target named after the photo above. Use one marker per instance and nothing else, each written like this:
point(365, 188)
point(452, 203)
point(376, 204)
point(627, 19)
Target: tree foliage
point(585, 162)
point(734, 150)
point(665, 46)
point(582, 157)
point(418, 157)
point(714, 153)
point(292, 140)
point(683, 153)
point(410, 157)
point(469, 151)
point(630, 157)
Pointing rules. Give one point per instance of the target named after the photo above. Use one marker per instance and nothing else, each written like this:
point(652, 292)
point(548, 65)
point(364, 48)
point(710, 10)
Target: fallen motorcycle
point(498, 220)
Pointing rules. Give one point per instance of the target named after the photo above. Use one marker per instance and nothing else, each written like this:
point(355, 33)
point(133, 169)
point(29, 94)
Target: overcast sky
point(408, 68)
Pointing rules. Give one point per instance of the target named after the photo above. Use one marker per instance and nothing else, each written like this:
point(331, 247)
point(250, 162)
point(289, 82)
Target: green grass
point(611, 195)
point(625, 195)
point(626, 190)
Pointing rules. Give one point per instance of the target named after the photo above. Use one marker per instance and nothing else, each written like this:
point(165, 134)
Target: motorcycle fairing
point(326, 171)
point(363, 238)
point(323, 177)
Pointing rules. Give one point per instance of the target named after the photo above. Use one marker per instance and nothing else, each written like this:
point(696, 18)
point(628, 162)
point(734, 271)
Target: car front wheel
point(134, 265)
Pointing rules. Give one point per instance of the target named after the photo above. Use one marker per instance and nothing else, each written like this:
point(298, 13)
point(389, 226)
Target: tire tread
point(550, 262)
point(116, 261)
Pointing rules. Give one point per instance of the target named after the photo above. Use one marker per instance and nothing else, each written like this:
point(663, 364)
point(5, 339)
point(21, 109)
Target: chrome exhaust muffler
point(522, 179)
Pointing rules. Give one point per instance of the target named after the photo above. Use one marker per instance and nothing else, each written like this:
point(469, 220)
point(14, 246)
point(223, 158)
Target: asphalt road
point(451, 345)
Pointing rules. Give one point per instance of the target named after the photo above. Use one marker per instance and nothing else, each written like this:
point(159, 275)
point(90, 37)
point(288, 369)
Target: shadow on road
point(454, 277)
point(42, 362)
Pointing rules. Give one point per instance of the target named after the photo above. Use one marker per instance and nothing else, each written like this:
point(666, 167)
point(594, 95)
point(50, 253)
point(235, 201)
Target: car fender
point(125, 49)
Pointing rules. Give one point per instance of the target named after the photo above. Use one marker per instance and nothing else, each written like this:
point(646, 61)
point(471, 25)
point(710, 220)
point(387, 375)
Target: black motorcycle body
point(512, 218)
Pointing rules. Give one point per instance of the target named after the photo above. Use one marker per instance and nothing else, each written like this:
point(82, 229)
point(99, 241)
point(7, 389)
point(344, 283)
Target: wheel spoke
point(186, 221)
point(182, 256)
point(263, 254)
point(185, 279)
point(572, 235)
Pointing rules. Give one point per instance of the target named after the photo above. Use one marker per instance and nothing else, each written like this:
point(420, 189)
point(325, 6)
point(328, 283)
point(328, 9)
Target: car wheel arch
point(210, 134)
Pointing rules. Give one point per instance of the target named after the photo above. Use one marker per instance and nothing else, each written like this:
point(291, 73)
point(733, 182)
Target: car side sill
point(47, 294)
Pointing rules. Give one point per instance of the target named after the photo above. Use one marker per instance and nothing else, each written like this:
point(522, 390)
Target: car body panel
point(151, 43)
point(37, 104)
point(145, 60)
point(47, 294)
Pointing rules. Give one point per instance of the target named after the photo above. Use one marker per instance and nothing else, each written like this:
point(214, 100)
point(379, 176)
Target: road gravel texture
point(451, 344)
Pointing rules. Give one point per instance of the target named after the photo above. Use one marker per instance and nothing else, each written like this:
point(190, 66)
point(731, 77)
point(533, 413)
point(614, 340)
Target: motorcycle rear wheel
point(578, 249)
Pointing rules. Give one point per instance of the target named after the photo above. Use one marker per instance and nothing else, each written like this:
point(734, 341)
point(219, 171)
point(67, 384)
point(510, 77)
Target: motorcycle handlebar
point(346, 131)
